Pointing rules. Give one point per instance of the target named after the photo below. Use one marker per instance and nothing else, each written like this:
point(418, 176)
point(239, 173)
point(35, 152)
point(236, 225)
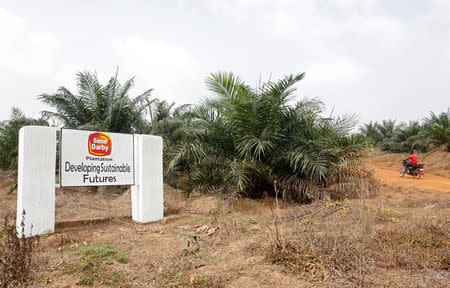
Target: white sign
point(90, 158)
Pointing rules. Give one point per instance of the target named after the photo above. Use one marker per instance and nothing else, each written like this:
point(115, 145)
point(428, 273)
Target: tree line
point(432, 132)
point(243, 140)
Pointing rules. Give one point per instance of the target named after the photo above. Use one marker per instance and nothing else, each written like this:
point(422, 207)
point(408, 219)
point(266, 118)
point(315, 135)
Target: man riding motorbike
point(412, 160)
point(410, 166)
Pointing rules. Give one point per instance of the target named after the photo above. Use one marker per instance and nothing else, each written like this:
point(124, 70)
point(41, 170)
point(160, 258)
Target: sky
point(378, 59)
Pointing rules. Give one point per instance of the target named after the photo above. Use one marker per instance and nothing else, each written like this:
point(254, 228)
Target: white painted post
point(36, 180)
point(147, 193)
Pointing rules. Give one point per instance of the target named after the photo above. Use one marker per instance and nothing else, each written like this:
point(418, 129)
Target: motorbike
point(415, 170)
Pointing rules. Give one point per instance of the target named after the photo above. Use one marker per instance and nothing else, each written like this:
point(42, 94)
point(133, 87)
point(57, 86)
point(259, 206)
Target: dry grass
point(182, 271)
point(352, 245)
point(16, 255)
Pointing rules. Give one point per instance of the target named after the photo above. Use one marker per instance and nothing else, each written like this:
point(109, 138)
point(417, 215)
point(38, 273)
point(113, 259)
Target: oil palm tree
point(9, 140)
point(385, 128)
point(370, 132)
point(9, 137)
point(438, 129)
point(245, 140)
point(170, 123)
point(98, 107)
point(406, 137)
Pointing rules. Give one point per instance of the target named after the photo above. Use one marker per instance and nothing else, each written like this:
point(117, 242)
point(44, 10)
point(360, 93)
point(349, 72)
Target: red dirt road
point(388, 175)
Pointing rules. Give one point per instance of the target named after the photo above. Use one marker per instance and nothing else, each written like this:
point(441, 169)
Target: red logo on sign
point(99, 144)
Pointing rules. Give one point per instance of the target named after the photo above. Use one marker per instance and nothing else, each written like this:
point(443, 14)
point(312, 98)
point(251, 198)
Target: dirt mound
point(205, 204)
point(248, 206)
point(437, 163)
point(82, 203)
point(174, 200)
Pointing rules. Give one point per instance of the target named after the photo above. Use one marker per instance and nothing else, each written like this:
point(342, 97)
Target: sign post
point(87, 158)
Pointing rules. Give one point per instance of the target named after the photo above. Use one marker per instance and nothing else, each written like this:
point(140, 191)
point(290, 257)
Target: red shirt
point(413, 158)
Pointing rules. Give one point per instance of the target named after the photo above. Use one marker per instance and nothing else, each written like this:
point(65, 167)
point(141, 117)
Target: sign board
point(91, 158)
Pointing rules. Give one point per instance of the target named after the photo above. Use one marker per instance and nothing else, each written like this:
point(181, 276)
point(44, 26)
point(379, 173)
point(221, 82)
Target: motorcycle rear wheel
point(417, 176)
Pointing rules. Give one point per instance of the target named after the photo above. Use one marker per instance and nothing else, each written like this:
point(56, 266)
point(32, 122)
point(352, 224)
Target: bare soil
point(398, 238)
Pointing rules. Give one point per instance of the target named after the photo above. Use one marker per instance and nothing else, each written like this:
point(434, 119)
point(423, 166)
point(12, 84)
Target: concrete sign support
point(147, 193)
point(36, 174)
point(36, 180)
